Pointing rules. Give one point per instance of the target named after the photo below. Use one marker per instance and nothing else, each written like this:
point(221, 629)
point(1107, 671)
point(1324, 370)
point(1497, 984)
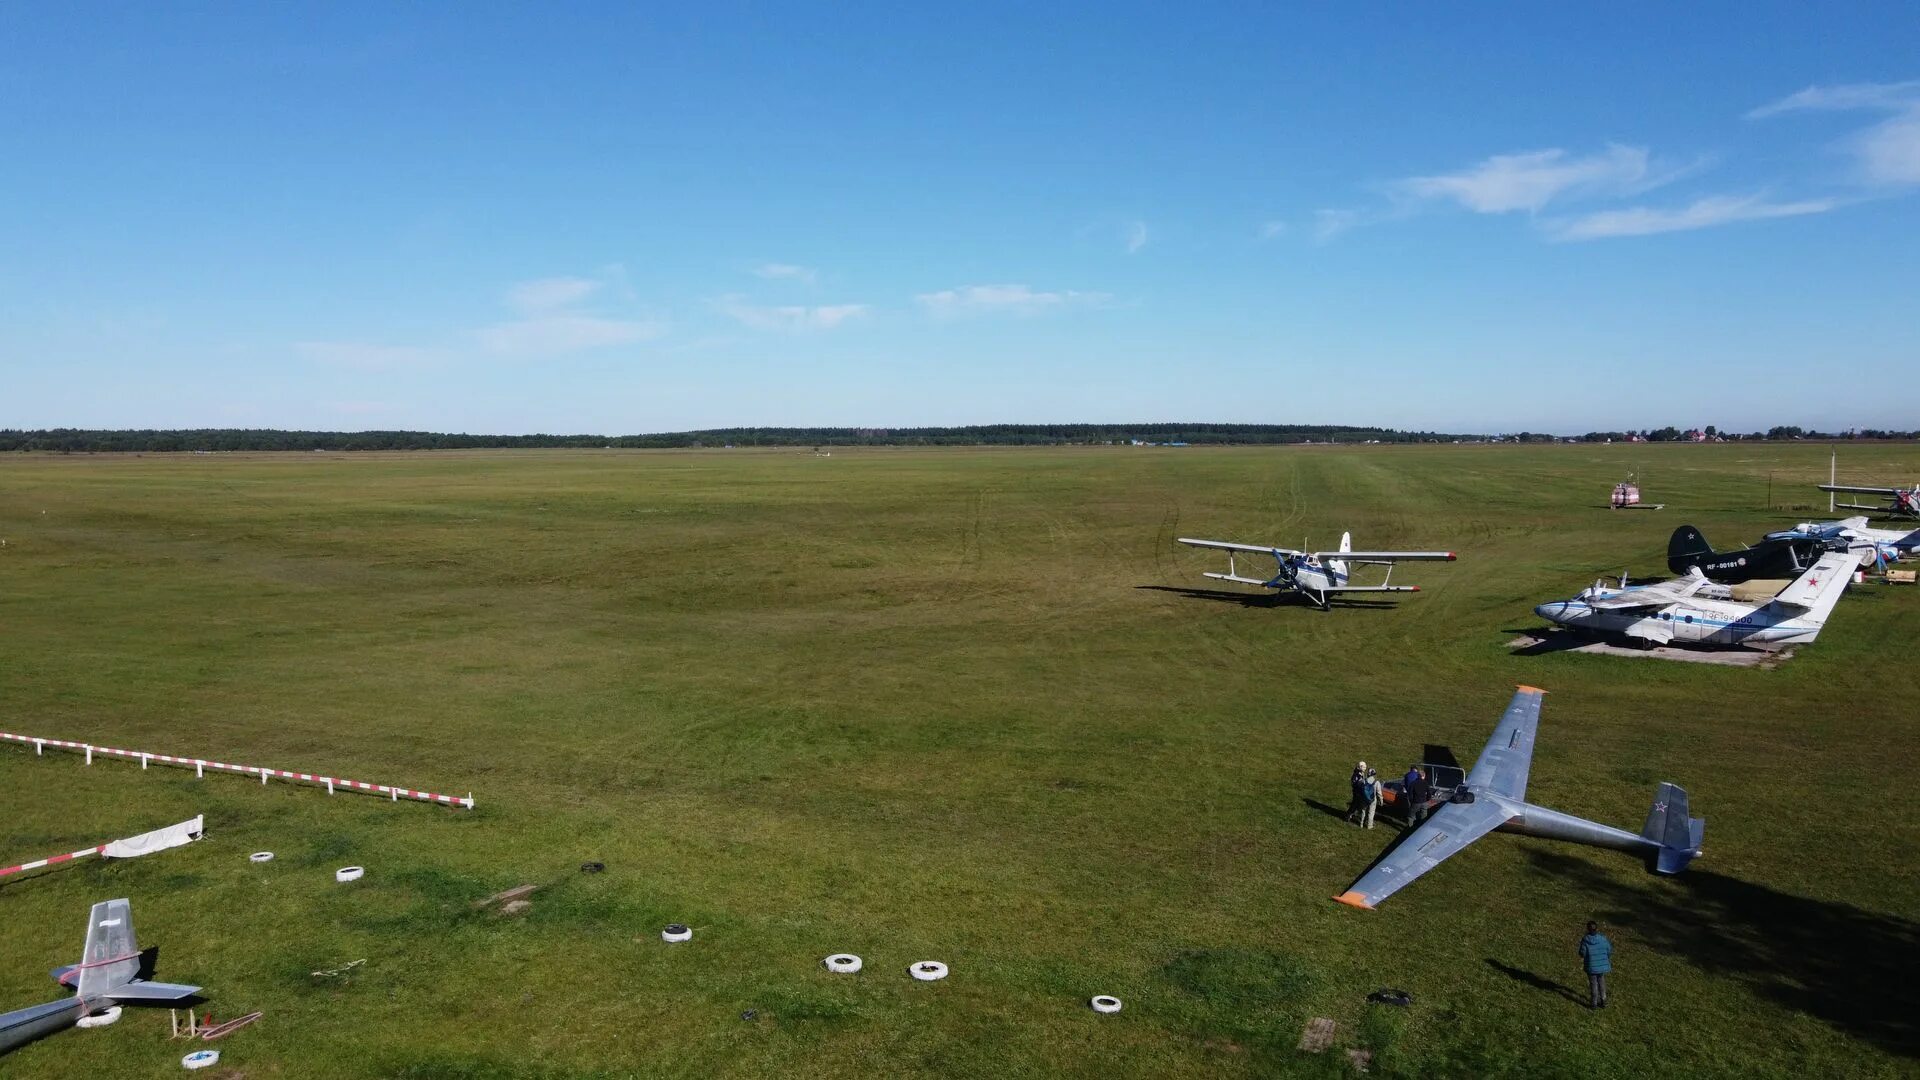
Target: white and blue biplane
point(1317, 575)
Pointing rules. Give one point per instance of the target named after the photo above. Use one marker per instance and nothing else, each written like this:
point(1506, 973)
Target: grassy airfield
point(968, 705)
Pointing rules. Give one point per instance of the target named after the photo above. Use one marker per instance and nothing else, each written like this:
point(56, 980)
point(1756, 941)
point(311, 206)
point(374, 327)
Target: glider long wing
point(1451, 828)
point(1504, 764)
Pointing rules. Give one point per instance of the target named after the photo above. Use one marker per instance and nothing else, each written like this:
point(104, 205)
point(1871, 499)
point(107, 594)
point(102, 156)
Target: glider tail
point(111, 959)
point(1669, 826)
point(1686, 548)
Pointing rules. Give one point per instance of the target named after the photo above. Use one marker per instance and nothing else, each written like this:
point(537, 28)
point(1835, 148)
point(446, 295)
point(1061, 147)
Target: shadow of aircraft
point(1846, 966)
point(1263, 600)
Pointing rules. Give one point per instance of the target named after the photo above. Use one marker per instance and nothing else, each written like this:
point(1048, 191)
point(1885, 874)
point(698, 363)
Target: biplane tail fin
point(1687, 547)
point(1670, 826)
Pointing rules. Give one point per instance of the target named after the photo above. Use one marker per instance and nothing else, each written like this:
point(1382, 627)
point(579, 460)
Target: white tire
point(676, 932)
point(1105, 1003)
point(350, 873)
point(100, 1019)
point(200, 1059)
point(260, 856)
point(928, 970)
point(843, 962)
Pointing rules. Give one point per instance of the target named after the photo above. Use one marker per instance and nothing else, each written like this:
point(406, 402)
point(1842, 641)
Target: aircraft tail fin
point(1346, 541)
point(1819, 588)
point(1685, 548)
point(111, 959)
point(1669, 826)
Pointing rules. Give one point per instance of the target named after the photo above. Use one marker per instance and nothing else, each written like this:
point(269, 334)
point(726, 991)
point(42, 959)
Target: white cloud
point(564, 332)
point(368, 356)
point(1017, 299)
point(775, 271)
point(1271, 229)
point(1136, 236)
point(790, 317)
point(1328, 224)
point(1528, 181)
point(1888, 153)
point(550, 294)
point(1898, 96)
point(1700, 214)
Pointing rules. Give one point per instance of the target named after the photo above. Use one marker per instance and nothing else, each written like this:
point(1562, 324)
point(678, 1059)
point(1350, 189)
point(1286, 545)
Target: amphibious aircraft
point(1901, 502)
point(1874, 546)
point(1317, 575)
point(109, 973)
point(1493, 797)
point(1778, 555)
point(1696, 611)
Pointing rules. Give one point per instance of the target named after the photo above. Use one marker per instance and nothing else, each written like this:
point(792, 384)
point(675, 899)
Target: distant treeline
point(79, 440)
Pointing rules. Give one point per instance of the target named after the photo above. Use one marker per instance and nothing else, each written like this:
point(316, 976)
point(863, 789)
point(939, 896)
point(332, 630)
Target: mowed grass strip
point(966, 705)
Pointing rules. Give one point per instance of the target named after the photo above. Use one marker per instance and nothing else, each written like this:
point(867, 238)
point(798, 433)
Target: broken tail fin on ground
point(1669, 826)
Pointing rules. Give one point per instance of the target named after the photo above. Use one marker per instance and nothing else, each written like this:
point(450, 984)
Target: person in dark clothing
point(1596, 954)
point(1417, 791)
point(1357, 793)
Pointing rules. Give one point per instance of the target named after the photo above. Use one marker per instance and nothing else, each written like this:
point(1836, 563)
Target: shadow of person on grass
point(1851, 968)
point(1538, 982)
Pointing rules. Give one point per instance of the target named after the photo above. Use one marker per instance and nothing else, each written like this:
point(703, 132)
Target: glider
point(1493, 796)
point(1317, 575)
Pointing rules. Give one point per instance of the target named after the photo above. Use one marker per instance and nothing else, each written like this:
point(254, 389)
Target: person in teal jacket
point(1596, 952)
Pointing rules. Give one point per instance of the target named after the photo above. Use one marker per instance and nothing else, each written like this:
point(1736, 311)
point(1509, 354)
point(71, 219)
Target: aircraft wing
point(152, 991)
point(1503, 765)
point(1860, 490)
point(1639, 596)
point(1226, 545)
point(1451, 828)
point(1379, 556)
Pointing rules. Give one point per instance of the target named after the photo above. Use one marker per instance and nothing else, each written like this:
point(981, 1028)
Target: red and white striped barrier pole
point(4, 871)
point(200, 765)
point(131, 847)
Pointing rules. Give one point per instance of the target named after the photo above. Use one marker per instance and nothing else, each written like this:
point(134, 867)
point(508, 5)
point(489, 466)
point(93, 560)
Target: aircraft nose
point(1552, 612)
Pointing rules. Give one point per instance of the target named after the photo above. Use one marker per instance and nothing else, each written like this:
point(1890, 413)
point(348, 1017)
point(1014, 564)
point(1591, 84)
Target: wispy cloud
point(550, 294)
point(1699, 214)
point(1328, 224)
point(368, 356)
point(1528, 181)
point(774, 271)
point(1014, 299)
point(1887, 153)
point(1271, 229)
point(1897, 96)
point(555, 322)
point(1136, 236)
point(564, 332)
point(789, 317)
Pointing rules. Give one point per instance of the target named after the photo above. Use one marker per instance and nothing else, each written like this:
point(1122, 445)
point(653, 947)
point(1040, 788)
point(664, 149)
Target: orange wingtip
point(1529, 689)
point(1354, 899)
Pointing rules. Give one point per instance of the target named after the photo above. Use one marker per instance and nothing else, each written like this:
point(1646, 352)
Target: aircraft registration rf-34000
point(108, 974)
point(1494, 797)
point(1693, 610)
point(1317, 575)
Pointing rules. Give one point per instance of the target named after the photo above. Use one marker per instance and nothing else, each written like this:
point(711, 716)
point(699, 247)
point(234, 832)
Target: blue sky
point(580, 217)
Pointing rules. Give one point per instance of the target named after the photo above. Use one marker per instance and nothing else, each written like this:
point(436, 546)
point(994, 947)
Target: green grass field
point(962, 705)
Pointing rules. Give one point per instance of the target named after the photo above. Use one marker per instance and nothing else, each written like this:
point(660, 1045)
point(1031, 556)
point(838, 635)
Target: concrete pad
point(1317, 1036)
point(1546, 641)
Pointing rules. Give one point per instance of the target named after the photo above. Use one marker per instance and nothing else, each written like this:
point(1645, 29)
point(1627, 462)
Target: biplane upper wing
point(1227, 545)
point(1385, 556)
point(1861, 490)
point(1450, 829)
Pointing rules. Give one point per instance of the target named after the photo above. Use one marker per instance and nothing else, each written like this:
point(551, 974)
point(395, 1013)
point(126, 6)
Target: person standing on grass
point(1415, 788)
point(1596, 952)
point(1373, 799)
point(1357, 793)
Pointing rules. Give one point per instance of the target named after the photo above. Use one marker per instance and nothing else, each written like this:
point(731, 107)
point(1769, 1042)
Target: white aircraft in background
point(1902, 502)
point(1876, 546)
point(1317, 574)
point(1693, 610)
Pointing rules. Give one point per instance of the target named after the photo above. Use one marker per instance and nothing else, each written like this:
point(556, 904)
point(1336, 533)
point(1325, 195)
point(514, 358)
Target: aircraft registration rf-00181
point(1317, 575)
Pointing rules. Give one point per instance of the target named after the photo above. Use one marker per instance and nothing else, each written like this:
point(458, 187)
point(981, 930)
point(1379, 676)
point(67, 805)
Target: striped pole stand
point(200, 765)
